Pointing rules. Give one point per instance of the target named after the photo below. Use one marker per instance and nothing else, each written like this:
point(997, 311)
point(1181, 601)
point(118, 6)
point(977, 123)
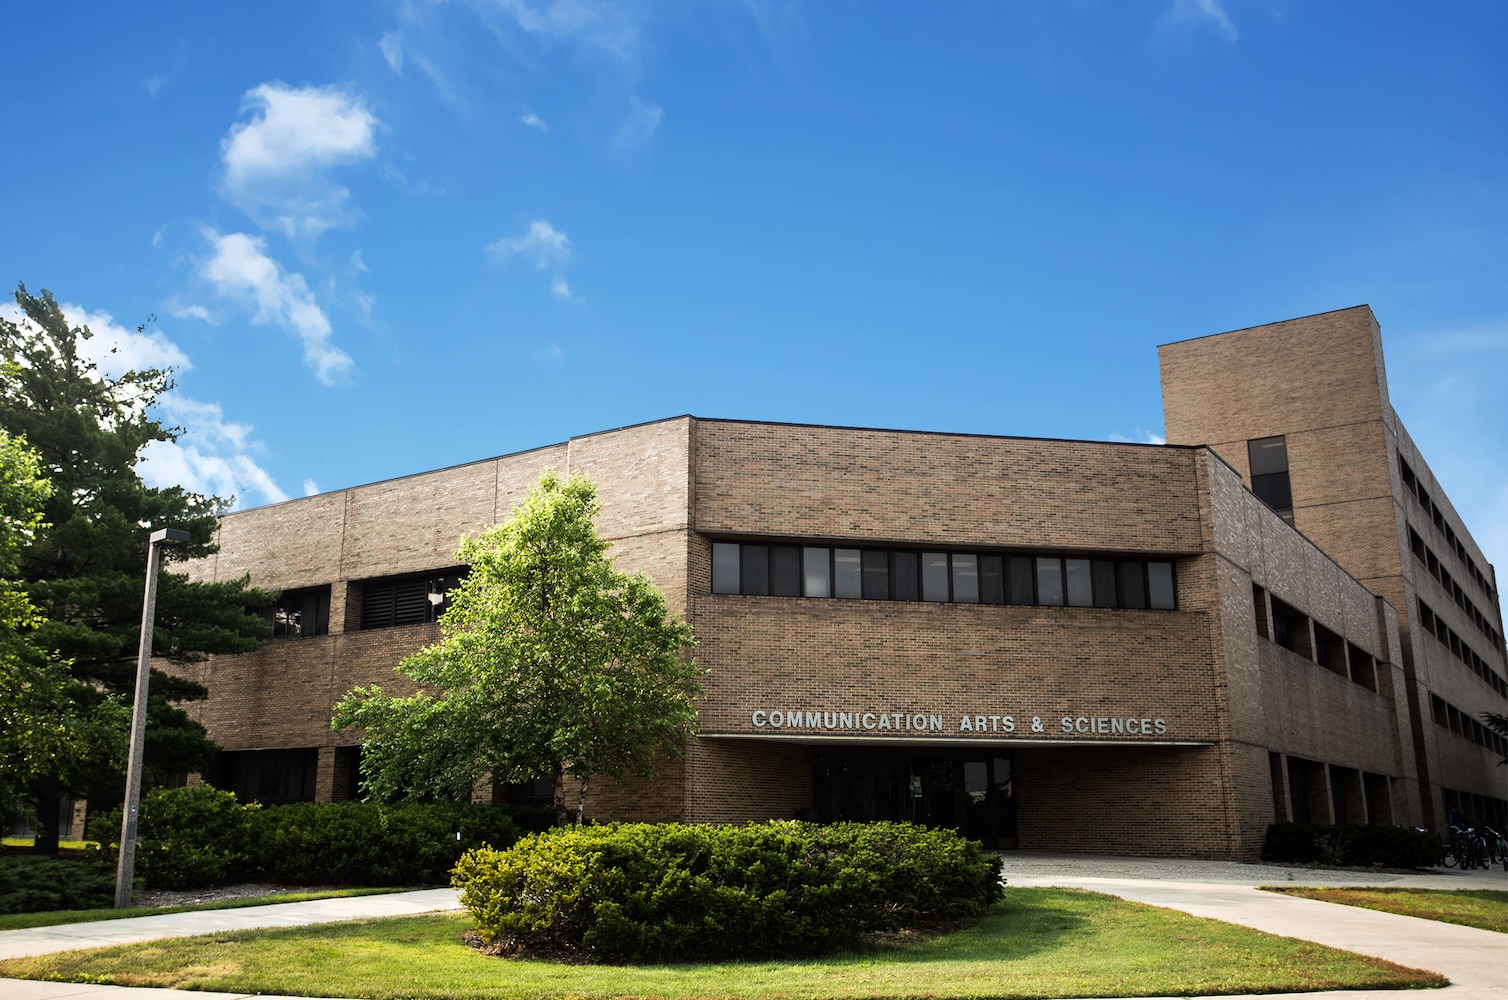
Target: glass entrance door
point(973, 795)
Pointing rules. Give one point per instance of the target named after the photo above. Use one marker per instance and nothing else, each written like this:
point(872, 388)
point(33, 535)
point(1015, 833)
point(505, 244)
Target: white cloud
point(532, 120)
point(1143, 436)
point(153, 84)
point(638, 125)
point(392, 50)
point(1208, 13)
point(240, 270)
point(117, 350)
point(560, 288)
point(188, 310)
point(541, 241)
point(310, 487)
point(274, 163)
point(183, 463)
point(157, 236)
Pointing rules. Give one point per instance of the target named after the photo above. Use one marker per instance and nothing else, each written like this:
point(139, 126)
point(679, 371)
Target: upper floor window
point(407, 600)
point(1269, 474)
point(299, 613)
point(882, 574)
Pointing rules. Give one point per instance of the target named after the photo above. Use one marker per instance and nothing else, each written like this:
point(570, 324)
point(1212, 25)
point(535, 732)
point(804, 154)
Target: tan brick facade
point(1112, 729)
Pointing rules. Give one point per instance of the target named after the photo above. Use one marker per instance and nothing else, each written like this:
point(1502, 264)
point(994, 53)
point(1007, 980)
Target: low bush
point(195, 837)
point(666, 892)
point(1371, 845)
point(35, 884)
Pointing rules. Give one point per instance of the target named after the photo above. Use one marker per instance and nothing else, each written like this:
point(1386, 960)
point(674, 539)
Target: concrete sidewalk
point(1476, 961)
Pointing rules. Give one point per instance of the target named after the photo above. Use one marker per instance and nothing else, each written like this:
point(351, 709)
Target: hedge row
point(1350, 844)
point(35, 884)
point(666, 892)
point(193, 837)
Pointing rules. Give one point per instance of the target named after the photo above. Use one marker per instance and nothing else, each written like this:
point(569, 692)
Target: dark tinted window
point(1021, 590)
point(1104, 584)
point(965, 578)
point(848, 574)
point(1133, 579)
point(300, 613)
point(934, 576)
point(725, 568)
point(1160, 585)
point(785, 571)
point(876, 575)
point(991, 580)
point(907, 576)
point(1080, 583)
point(754, 570)
point(816, 571)
point(1049, 581)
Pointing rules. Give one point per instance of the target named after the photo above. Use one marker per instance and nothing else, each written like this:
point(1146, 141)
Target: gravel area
point(220, 893)
point(1042, 868)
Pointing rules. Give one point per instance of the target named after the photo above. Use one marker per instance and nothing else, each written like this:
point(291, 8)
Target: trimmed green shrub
point(186, 837)
point(195, 837)
point(363, 843)
point(34, 884)
point(667, 892)
point(1371, 845)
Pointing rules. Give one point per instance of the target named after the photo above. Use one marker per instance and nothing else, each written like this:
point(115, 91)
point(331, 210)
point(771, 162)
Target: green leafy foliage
point(194, 837)
point(666, 892)
point(554, 664)
point(82, 566)
point(1371, 845)
point(38, 884)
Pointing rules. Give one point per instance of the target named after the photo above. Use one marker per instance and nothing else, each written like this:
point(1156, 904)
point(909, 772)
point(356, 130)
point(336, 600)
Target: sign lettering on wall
point(891, 723)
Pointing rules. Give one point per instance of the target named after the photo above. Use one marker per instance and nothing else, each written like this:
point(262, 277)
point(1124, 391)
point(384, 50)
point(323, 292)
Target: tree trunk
point(49, 802)
point(581, 803)
point(562, 811)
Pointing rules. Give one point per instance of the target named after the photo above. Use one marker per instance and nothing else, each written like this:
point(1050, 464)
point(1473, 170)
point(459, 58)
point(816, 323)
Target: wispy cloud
point(561, 289)
point(187, 310)
point(117, 349)
point(275, 163)
point(392, 50)
point(241, 271)
point(1201, 13)
point(310, 487)
point(638, 125)
point(159, 235)
point(532, 120)
point(153, 84)
point(1143, 436)
point(550, 354)
point(541, 242)
point(599, 24)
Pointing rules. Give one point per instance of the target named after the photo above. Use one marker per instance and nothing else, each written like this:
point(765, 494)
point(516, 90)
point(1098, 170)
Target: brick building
point(1048, 644)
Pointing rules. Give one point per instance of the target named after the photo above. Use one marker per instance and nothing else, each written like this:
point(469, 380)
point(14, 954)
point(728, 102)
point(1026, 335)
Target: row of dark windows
point(1435, 626)
point(882, 574)
point(1290, 628)
point(1416, 488)
point(1462, 724)
point(1433, 566)
point(1477, 810)
point(1355, 796)
point(1268, 459)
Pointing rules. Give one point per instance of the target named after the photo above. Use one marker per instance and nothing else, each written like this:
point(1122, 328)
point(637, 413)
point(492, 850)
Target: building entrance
point(971, 793)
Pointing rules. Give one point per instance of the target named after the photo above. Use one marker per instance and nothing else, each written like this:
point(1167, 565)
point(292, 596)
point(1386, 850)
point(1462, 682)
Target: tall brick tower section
point(1300, 408)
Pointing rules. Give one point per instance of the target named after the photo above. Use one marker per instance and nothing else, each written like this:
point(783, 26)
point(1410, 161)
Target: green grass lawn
point(67, 845)
point(1036, 943)
point(20, 921)
point(1484, 908)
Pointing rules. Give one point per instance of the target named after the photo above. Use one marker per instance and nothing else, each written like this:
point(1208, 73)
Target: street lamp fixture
point(127, 868)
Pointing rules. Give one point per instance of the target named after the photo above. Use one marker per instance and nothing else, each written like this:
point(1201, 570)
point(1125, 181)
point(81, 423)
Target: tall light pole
point(127, 869)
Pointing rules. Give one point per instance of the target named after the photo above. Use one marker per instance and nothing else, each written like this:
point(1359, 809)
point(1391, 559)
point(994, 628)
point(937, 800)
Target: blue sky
point(386, 238)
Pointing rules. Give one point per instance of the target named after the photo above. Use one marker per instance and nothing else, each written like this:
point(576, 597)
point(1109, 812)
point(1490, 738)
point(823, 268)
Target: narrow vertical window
point(1021, 590)
point(848, 574)
point(934, 576)
point(1049, 581)
point(816, 571)
point(1160, 591)
point(1269, 474)
point(1080, 583)
point(965, 578)
point(991, 580)
point(1104, 584)
point(754, 571)
point(907, 577)
point(725, 567)
point(785, 571)
point(876, 575)
point(1133, 583)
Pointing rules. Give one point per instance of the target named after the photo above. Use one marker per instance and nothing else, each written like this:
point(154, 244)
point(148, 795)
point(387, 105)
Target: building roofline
point(1258, 326)
point(707, 420)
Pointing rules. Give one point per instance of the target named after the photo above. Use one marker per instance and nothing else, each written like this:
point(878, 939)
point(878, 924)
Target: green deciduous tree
point(553, 664)
point(84, 568)
point(48, 718)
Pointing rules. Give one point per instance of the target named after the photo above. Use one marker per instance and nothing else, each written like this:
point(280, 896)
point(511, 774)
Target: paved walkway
point(1475, 961)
